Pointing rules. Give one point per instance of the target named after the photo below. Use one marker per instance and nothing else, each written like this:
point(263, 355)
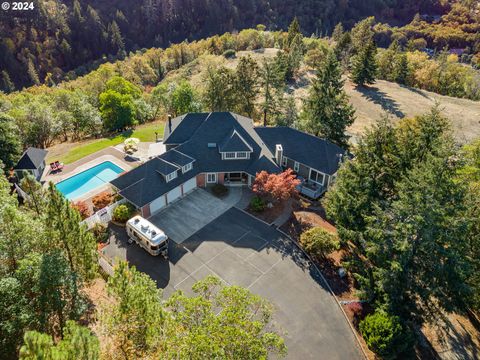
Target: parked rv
point(148, 236)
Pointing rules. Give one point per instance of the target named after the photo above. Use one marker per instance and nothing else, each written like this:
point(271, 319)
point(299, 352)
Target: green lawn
point(144, 133)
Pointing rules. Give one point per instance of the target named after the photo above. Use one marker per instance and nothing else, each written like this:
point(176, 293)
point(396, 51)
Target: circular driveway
point(242, 250)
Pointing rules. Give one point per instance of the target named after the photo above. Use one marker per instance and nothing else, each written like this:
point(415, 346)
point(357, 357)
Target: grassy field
point(68, 152)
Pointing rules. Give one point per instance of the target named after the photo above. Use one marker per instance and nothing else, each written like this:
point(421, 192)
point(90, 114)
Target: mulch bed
point(269, 214)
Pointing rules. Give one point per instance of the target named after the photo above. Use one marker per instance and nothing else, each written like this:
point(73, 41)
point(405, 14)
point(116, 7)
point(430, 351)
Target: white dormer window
point(232, 155)
point(296, 166)
point(171, 176)
point(186, 168)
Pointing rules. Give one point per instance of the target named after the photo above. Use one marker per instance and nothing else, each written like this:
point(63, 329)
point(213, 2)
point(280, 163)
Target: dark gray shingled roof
point(307, 149)
point(233, 143)
point(144, 184)
point(177, 158)
point(31, 159)
point(164, 167)
point(183, 128)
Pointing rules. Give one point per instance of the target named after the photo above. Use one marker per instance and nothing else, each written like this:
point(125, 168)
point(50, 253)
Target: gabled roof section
point(176, 157)
point(164, 167)
point(31, 159)
point(183, 127)
point(234, 143)
point(307, 149)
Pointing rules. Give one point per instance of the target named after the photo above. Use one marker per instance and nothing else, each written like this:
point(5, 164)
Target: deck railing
point(103, 215)
point(311, 191)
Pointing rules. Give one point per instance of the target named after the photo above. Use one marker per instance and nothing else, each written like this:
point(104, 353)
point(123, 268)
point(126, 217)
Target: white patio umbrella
point(131, 141)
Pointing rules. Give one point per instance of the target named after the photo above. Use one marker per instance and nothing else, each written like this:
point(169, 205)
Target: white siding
point(174, 194)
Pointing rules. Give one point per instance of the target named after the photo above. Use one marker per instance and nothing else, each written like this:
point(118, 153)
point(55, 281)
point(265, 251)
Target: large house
point(226, 148)
point(32, 162)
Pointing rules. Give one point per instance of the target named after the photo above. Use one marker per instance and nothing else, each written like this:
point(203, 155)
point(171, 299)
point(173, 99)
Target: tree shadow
point(416, 91)
point(381, 98)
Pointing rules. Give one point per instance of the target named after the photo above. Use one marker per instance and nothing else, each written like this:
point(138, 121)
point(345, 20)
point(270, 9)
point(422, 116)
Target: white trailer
point(148, 236)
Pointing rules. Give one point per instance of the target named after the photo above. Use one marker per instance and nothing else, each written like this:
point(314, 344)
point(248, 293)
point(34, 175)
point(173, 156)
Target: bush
point(102, 200)
point(100, 231)
point(319, 242)
point(123, 212)
point(229, 54)
point(82, 208)
point(386, 335)
point(219, 190)
point(257, 204)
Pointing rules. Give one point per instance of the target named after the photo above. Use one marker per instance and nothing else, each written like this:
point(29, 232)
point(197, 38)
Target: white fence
point(103, 215)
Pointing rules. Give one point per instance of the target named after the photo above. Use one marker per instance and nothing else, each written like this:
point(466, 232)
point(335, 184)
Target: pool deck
point(109, 154)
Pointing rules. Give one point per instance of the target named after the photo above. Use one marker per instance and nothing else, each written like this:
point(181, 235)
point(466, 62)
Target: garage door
point(189, 185)
point(174, 194)
point(157, 204)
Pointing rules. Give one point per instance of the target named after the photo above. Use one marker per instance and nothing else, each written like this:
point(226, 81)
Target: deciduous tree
point(278, 187)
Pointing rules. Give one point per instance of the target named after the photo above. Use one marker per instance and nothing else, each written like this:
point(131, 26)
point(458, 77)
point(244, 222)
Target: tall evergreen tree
point(68, 233)
point(271, 89)
point(7, 84)
point(364, 66)
point(219, 92)
point(293, 32)
point(327, 111)
point(10, 146)
point(337, 32)
point(246, 85)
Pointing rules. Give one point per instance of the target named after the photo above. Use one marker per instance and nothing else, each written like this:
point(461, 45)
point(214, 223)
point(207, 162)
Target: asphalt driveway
point(244, 251)
point(186, 216)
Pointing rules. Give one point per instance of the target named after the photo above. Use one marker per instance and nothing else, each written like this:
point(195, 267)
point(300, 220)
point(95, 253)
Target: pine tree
point(364, 66)
point(219, 92)
point(327, 111)
point(271, 89)
point(246, 85)
point(115, 36)
point(32, 73)
point(7, 84)
point(401, 69)
point(362, 34)
point(293, 31)
point(68, 233)
point(337, 32)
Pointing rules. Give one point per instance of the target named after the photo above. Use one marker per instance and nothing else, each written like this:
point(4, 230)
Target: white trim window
point(232, 155)
point(316, 177)
point(171, 176)
point(187, 167)
point(211, 178)
point(284, 161)
point(296, 166)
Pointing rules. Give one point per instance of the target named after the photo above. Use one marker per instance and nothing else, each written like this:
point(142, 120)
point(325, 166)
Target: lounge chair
point(53, 167)
point(59, 165)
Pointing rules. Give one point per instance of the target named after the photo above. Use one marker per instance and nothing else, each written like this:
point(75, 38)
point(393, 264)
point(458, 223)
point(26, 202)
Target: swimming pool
point(80, 184)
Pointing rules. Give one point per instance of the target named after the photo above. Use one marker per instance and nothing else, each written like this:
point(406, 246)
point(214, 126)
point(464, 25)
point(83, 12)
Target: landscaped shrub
point(100, 231)
point(219, 190)
point(386, 335)
point(257, 204)
point(319, 242)
point(102, 200)
point(82, 208)
point(123, 212)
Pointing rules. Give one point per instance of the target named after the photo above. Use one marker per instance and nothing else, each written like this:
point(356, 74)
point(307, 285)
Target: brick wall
point(201, 180)
point(220, 178)
point(146, 211)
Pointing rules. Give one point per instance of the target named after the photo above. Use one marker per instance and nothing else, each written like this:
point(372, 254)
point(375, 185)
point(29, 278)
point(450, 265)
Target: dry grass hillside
point(370, 103)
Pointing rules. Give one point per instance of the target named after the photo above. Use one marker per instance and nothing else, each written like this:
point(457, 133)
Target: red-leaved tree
point(278, 187)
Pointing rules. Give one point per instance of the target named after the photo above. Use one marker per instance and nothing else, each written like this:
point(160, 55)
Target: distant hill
point(42, 45)
point(370, 103)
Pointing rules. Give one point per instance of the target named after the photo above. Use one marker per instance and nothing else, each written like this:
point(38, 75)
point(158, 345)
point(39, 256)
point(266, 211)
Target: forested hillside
point(59, 36)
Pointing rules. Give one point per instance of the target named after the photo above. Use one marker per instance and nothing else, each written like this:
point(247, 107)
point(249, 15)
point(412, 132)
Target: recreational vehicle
point(148, 236)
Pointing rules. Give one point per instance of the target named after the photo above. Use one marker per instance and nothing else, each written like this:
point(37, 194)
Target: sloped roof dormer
point(234, 143)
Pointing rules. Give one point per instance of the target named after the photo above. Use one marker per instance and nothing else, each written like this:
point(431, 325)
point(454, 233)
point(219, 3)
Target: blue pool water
point(88, 180)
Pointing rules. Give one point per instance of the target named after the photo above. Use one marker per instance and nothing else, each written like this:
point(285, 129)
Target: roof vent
point(212, 145)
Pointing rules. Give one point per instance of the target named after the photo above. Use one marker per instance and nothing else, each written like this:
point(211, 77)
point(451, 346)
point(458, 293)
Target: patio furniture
point(53, 167)
point(59, 165)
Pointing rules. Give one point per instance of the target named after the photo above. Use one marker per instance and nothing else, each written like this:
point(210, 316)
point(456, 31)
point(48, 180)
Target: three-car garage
point(173, 195)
